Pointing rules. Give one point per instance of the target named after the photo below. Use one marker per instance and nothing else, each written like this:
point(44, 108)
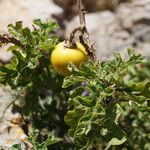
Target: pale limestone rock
point(14, 10)
point(134, 14)
point(11, 122)
point(5, 56)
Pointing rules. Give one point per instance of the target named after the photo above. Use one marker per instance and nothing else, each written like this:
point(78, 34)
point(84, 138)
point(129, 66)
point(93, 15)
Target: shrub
point(102, 104)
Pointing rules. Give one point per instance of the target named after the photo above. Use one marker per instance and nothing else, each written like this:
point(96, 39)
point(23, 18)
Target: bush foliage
point(102, 104)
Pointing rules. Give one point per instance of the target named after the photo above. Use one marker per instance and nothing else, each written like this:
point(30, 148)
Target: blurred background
point(113, 24)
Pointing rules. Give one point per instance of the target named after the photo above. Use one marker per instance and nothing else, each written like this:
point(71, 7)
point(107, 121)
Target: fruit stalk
point(5, 38)
point(84, 37)
point(81, 13)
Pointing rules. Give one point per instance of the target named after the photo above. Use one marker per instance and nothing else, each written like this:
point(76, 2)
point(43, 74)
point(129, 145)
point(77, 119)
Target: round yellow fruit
point(62, 55)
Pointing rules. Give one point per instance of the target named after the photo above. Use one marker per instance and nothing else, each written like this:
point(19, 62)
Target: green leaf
point(51, 139)
point(114, 135)
point(16, 147)
point(72, 117)
point(118, 57)
point(68, 81)
point(47, 27)
point(48, 44)
point(34, 62)
point(146, 90)
point(115, 141)
point(12, 48)
point(15, 30)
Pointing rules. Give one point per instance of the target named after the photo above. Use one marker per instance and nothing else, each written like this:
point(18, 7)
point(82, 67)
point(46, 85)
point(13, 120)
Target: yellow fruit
point(61, 56)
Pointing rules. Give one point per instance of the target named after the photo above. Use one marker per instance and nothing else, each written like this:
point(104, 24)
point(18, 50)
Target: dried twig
point(81, 13)
point(72, 36)
point(84, 38)
point(5, 39)
point(84, 35)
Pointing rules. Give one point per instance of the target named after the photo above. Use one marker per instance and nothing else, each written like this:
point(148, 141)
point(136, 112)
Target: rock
point(137, 24)
point(70, 7)
point(12, 134)
point(23, 10)
point(6, 97)
point(11, 122)
point(134, 14)
point(5, 56)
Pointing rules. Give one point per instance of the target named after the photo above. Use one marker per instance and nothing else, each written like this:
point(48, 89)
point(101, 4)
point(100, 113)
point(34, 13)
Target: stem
point(84, 35)
point(5, 39)
point(71, 42)
point(81, 12)
point(84, 38)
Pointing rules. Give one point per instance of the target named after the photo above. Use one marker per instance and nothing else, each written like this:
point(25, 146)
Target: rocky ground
point(126, 26)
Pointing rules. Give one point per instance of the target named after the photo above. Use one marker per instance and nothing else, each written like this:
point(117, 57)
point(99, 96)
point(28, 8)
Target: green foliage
point(136, 124)
point(31, 54)
point(30, 69)
point(102, 104)
point(100, 91)
point(34, 139)
point(30, 73)
point(51, 139)
point(141, 73)
point(16, 147)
